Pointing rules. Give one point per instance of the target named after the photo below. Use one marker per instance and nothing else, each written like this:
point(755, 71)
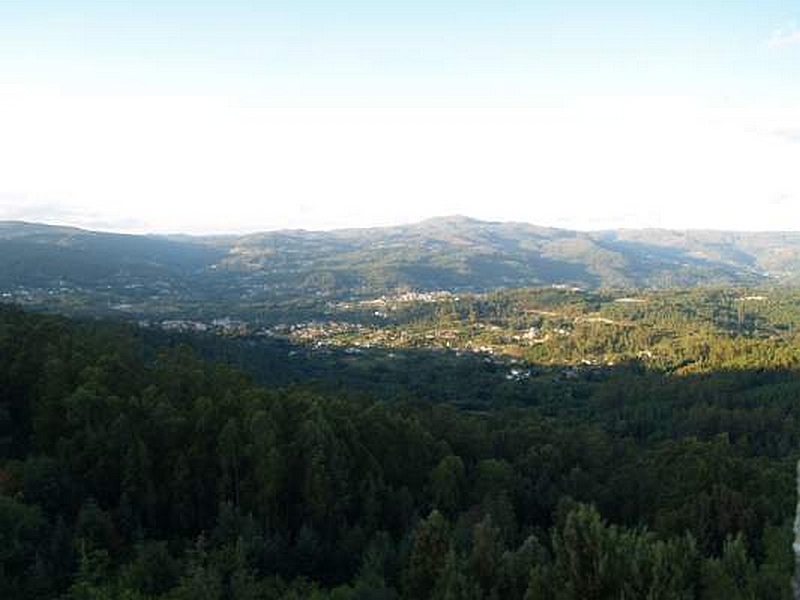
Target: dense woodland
point(133, 467)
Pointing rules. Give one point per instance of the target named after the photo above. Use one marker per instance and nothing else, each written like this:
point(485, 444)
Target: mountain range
point(453, 253)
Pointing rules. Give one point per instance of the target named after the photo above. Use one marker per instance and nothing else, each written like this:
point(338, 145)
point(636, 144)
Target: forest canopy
point(131, 467)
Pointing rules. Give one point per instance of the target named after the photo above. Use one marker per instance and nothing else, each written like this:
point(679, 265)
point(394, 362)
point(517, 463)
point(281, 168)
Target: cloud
point(790, 135)
point(18, 207)
point(782, 200)
point(785, 37)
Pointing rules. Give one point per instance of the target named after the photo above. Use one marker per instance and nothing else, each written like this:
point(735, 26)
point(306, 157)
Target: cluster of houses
point(225, 326)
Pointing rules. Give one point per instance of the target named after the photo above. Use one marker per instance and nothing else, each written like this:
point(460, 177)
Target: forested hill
point(132, 470)
point(454, 253)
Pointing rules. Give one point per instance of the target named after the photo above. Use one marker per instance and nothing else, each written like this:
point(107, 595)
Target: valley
point(264, 425)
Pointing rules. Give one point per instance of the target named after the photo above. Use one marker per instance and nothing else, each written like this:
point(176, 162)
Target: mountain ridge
point(453, 252)
point(451, 219)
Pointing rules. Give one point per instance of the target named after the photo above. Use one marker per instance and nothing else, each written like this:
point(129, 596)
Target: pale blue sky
point(232, 116)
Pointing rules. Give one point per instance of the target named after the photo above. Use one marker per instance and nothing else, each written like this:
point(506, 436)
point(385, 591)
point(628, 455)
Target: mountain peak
point(453, 220)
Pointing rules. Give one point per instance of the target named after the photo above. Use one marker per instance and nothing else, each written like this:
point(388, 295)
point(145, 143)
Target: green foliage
point(448, 481)
point(130, 470)
point(427, 560)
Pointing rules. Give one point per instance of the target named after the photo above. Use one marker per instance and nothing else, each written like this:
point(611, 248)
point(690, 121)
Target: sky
point(234, 116)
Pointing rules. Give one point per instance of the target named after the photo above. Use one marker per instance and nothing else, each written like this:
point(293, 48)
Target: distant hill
point(36, 255)
point(455, 253)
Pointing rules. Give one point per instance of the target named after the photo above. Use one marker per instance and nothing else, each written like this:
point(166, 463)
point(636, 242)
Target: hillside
point(453, 253)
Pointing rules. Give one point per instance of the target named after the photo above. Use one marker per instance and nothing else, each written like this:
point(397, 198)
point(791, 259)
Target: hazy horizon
point(99, 228)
